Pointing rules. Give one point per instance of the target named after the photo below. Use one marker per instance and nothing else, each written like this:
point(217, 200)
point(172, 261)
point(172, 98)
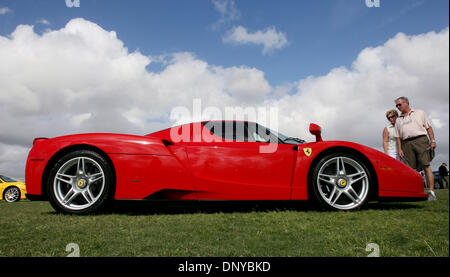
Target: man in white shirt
point(411, 130)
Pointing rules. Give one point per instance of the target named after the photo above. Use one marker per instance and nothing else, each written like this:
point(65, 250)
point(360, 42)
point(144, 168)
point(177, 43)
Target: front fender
point(393, 177)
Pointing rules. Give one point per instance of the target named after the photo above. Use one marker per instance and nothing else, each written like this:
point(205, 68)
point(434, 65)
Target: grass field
point(399, 229)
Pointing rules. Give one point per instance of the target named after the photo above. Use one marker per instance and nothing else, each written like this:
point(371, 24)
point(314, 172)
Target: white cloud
point(270, 38)
point(227, 10)
point(82, 78)
point(247, 85)
point(12, 161)
point(5, 10)
point(79, 119)
point(43, 21)
point(350, 103)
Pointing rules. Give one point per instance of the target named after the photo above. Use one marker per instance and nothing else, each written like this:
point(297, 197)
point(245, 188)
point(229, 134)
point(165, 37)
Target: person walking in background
point(443, 171)
point(411, 130)
point(389, 139)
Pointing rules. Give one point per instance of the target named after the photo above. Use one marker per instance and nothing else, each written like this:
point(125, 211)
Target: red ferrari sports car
point(214, 160)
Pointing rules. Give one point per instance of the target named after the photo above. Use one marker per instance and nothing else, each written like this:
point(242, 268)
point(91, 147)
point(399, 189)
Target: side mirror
point(316, 131)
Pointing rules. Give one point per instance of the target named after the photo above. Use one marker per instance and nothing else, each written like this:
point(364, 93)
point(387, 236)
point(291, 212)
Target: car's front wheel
point(81, 182)
point(341, 181)
point(11, 194)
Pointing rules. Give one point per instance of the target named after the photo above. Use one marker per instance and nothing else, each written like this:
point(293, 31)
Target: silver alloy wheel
point(11, 194)
point(343, 183)
point(79, 183)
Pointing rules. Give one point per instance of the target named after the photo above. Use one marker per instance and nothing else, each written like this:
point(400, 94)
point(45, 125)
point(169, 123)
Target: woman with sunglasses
point(389, 140)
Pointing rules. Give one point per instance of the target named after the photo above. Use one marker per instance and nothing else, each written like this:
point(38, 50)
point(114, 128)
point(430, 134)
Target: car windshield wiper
point(294, 139)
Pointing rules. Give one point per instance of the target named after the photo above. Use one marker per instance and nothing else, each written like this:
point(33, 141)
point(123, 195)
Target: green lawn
point(399, 229)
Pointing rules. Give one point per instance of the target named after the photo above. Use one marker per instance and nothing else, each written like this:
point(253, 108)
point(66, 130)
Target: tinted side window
point(228, 130)
point(258, 133)
point(240, 131)
point(215, 127)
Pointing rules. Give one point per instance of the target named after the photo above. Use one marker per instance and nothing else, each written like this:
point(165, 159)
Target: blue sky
point(321, 35)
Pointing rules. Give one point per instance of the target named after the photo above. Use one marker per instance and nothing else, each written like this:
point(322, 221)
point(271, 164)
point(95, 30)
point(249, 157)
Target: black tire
point(344, 190)
point(82, 188)
point(16, 194)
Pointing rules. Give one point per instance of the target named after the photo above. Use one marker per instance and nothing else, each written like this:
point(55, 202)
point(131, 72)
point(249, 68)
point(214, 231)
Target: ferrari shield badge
point(307, 151)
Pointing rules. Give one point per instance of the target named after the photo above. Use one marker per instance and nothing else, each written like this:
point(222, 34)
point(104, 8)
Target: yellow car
point(11, 190)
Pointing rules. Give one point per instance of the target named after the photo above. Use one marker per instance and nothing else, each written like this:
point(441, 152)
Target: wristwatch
point(433, 140)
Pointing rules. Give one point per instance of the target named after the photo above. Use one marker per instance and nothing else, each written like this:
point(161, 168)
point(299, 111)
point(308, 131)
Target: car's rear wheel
point(81, 182)
point(341, 181)
point(11, 194)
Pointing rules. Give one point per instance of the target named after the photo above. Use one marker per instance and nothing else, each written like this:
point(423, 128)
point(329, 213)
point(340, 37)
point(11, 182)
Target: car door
point(233, 167)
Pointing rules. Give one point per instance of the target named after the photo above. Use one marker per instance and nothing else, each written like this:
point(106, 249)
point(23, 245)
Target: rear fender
point(46, 152)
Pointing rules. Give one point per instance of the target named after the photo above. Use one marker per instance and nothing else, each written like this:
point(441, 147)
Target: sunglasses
point(392, 116)
point(398, 105)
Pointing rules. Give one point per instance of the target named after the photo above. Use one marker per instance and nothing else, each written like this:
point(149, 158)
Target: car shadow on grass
point(193, 207)
point(393, 206)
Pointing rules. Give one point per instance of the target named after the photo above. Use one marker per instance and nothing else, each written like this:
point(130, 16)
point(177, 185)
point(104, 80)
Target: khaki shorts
point(416, 151)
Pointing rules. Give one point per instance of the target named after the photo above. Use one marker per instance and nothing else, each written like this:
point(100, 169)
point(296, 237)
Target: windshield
point(286, 139)
point(7, 179)
point(279, 135)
